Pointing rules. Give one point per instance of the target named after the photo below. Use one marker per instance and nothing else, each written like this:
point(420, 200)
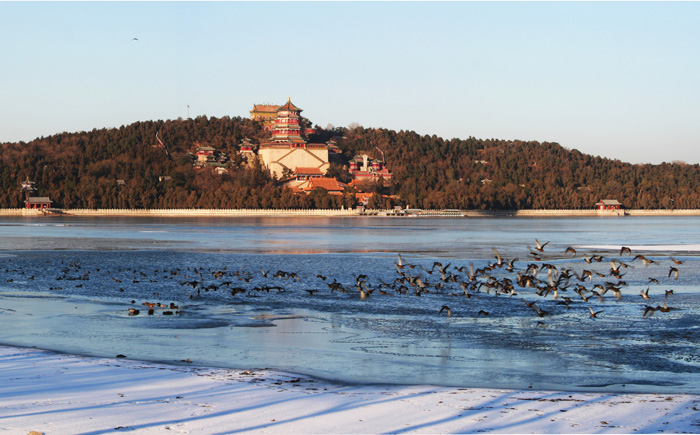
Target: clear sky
point(620, 80)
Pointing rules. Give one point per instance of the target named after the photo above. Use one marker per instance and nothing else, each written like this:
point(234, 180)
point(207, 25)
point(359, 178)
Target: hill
point(124, 168)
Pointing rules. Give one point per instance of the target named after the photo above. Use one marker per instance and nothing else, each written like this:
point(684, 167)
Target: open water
point(67, 284)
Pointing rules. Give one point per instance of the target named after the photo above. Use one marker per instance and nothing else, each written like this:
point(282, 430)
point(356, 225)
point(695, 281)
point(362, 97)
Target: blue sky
point(620, 80)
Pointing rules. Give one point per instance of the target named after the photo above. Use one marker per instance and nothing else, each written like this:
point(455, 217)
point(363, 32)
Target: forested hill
point(81, 170)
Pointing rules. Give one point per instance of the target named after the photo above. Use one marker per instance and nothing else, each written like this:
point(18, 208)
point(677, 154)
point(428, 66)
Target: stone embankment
point(341, 213)
point(179, 212)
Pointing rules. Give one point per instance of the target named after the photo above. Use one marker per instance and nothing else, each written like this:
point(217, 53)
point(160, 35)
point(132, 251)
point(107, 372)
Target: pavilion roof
point(330, 184)
point(265, 108)
point(307, 171)
point(37, 199)
point(609, 202)
point(289, 106)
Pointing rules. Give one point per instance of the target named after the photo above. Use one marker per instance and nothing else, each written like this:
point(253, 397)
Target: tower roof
point(265, 107)
point(289, 106)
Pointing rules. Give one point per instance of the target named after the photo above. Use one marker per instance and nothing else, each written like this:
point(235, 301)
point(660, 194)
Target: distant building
point(205, 154)
point(363, 168)
point(288, 149)
point(303, 174)
point(38, 202)
point(333, 186)
point(363, 198)
point(210, 157)
point(28, 186)
point(265, 113)
point(608, 204)
point(246, 146)
point(290, 157)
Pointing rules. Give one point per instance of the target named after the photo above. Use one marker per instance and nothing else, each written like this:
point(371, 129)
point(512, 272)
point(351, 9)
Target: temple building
point(331, 185)
point(38, 202)
point(608, 204)
point(363, 168)
point(265, 113)
point(288, 148)
point(210, 157)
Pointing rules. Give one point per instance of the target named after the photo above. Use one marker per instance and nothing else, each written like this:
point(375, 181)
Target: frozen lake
point(67, 284)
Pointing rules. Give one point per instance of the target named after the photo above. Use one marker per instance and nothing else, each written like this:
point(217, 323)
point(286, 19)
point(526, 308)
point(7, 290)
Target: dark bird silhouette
point(645, 294)
point(192, 284)
point(615, 269)
point(399, 262)
point(594, 314)
point(465, 287)
point(668, 293)
point(540, 313)
point(648, 311)
point(675, 261)
point(446, 308)
point(237, 290)
point(585, 273)
point(499, 260)
point(570, 249)
point(646, 261)
point(664, 308)
point(598, 295)
point(540, 246)
point(625, 249)
point(673, 271)
point(596, 258)
point(536, 256)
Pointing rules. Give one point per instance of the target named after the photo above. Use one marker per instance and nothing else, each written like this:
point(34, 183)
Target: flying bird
point(645, 260)
point(673, 271)
point(540, 246)
point(594, 314)
point(446, 308)
point(645, 294)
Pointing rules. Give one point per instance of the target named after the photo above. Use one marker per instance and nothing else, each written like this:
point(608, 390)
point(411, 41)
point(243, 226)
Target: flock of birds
point(601, 279)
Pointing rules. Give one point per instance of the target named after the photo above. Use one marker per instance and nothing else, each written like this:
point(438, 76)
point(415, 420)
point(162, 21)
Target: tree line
point(80, 170)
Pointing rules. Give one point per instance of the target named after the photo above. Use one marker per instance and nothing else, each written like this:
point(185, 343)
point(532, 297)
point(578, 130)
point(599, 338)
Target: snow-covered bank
point(62, 394)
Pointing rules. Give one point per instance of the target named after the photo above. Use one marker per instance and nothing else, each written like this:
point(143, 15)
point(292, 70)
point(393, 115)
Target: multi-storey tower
point(288, 149)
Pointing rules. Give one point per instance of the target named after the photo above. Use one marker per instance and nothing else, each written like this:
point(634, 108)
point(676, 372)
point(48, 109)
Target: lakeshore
point(102, 395)
point(24, 212)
